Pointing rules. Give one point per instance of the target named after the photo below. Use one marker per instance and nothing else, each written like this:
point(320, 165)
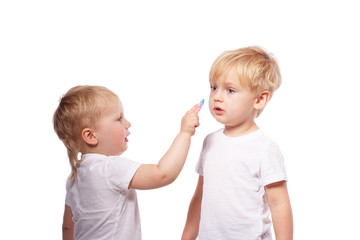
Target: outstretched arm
point(280, 208)
point(191, 229)
point(150, 176)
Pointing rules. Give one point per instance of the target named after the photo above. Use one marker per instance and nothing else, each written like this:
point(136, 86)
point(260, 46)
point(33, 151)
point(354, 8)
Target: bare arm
point(280, 207)
point(150, 176)
point(191, 229)
point(68, 224)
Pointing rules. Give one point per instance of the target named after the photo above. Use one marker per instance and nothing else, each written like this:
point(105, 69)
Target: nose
point(218, 97)
point(127, 124)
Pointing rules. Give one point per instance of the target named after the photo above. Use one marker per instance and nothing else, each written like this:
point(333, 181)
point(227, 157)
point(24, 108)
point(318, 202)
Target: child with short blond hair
point(242, 177)
point(101, 201)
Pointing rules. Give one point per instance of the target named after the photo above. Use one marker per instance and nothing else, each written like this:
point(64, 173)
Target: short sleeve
point(68, 186)
point(199, 166)
point(119, 171)
point(272, 166)
point(67, 193)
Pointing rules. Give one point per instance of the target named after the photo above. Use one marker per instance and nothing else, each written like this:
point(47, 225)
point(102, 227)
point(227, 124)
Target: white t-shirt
point(236, 170)
point(102, 205)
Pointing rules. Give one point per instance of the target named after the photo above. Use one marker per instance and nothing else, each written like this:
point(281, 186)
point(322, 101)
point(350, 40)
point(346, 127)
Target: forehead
point(229, 77)
point(113, 106)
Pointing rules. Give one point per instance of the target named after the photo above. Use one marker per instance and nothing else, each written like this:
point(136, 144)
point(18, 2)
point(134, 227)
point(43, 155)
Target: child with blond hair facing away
point(101, 201)
point(242, 177)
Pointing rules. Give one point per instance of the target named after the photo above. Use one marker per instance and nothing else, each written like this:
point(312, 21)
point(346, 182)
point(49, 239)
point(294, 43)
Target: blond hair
point(257, 70)
point(79, 108)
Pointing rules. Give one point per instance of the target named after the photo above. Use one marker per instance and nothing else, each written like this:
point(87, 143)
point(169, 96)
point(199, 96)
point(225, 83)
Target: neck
point(236, 131)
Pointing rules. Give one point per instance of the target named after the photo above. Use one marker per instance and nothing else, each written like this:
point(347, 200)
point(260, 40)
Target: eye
point(120, 118)
point(213, 88)
point(231, 90)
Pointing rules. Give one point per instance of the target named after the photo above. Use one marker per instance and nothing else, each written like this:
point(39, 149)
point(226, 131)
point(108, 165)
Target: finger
point(193, 109)
point(198, 108)
point(197, 123)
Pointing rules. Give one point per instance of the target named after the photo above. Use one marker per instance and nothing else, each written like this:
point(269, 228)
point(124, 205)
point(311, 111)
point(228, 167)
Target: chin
point(123, 150)
point(219, 119)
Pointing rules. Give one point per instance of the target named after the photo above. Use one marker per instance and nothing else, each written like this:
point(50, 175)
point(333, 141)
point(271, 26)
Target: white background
point(156, 56)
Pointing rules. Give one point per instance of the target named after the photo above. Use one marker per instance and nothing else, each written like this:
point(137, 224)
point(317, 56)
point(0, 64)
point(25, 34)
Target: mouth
point(219, 111)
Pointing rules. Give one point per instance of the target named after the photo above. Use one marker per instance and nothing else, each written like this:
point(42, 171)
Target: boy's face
point(232, 104)
point(112, 130)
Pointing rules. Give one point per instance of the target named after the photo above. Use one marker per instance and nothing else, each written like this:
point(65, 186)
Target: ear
point(262, 100)
point(89, 137)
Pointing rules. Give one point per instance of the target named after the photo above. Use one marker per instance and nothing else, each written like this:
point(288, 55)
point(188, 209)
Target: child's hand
point(150, 176)
point(190, 121)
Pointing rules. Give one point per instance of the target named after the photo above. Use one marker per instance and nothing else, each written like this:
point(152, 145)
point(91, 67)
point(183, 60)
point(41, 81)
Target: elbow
point(68, 232)
point(166, 178)
point(67, 228)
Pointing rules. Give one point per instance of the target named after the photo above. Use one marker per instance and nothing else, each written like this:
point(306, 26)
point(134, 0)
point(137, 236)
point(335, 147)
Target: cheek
point(121, 134)
point(211, 100)
point(118, 135)
point(231, 109)
point(211, 105)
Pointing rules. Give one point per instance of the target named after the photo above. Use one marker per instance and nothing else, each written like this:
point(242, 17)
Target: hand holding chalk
point(190, 120)
point(200, 105)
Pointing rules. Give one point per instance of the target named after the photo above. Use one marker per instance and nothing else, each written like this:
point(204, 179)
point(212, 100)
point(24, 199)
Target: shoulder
point(211, 137)
point(108, 163)
point(214, 135)
point(270, 151)
point(121, 162)
point(266, 140)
